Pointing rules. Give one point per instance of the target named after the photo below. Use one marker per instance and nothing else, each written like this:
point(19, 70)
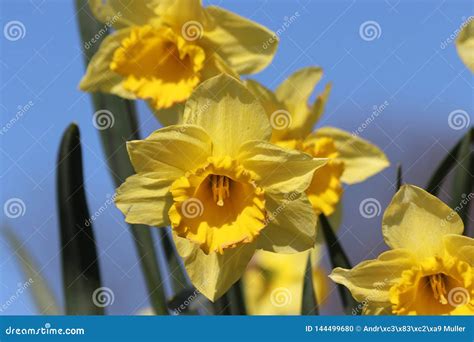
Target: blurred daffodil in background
point(222, 186)
point(162, 49)
point(351, 159)
point(465, 44)
point(274, 283)
point(430, 269)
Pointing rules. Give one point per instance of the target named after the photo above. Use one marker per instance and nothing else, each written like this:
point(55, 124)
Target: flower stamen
point(438, 286)
point(220, 189)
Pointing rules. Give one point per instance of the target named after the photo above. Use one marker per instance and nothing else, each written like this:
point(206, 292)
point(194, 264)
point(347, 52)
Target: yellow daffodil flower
point(430, 269)
point(162, 49)
point(221, 185)
point(274, 283)
point(465, 44)
point(351, 159)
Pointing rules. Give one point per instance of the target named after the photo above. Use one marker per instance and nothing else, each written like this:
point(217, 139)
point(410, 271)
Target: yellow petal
point(99, 77)
point(460, 246)
point(145, 199)
point(122, 13)
point(246, 46)
point(315, 112)
point(170, 151)
point(291, 224)
point(418, 221)
point(295, 91)
point(228, 112)
point(169, 116)
point(213, 274)
point(275, 109)
point(465, 45)
point(278, 169)
point(371, 280)
point(183, 15)
point(361, 159)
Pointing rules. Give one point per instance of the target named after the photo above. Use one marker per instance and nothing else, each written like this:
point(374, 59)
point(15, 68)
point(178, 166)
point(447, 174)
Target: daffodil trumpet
point(430, 267)
point(225, 190)
point(162, 49)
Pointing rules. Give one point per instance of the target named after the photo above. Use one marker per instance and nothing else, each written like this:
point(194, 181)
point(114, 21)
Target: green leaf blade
point(81, 275)
point(309, 305)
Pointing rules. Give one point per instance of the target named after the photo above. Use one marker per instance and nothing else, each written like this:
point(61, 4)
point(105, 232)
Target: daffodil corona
point(351, 159)
point(430, 269)
point(162, 49)
point(221, 185)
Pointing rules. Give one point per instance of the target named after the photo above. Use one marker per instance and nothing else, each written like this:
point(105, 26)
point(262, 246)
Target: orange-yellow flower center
point(158, 65)
point(439, 286)
point(218, 206)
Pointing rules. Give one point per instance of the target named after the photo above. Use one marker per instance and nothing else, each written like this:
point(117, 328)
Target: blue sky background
point(407, 66)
